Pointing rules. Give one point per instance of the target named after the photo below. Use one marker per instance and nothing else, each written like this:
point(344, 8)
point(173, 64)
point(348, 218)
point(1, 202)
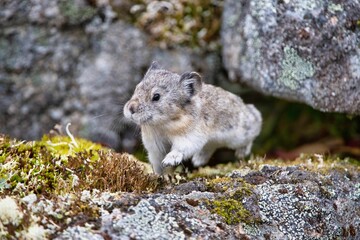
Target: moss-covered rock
point(48, 185)
point(170, 23)
point(66, 187)
point(58, 165)
point(231, 210)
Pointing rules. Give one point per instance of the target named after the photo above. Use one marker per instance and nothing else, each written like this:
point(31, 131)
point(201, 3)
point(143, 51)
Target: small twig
point(70, 135)
point(56, 144)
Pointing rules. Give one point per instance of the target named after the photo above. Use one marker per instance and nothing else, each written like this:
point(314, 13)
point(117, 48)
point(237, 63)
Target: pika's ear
point(191, 82)
point(154, 65)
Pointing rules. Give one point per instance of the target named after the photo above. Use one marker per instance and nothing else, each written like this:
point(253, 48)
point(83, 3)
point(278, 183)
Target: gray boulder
point(306, 51)
point(41, 49)
point(272, 203)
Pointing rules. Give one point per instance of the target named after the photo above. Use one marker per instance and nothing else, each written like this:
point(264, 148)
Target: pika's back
point(222, 109)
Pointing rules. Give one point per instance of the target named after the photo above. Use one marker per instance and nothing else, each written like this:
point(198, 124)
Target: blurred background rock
point(78, 61)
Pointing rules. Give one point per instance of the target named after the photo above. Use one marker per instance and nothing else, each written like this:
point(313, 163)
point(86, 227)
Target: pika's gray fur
point(181, 117)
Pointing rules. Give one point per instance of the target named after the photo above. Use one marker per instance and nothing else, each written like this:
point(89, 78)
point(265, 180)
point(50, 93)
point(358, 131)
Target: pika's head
point(162, 96)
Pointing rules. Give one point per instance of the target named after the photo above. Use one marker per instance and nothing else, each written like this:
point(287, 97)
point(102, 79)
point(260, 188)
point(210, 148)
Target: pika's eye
point(156, 97)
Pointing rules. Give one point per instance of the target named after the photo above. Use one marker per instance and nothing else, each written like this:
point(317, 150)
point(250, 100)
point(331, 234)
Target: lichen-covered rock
point(169, 216)
point(301, 50)
point(78, 232)
point(316, 203)
point(112, 197)
point(291, 203)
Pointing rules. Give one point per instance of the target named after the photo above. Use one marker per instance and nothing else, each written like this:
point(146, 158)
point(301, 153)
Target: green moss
point(60, 164)
point(231, 210)
point(64, 145)
point(211, 172)
point(75, 14)
point(242, 192)
point(219, 184)
point(236, 187)
point(294, 69)
point(230, 206)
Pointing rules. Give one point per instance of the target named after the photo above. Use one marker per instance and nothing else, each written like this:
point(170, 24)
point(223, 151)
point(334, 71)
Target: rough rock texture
point(42, 47)
point(56, 189)
point(301, 50)
point(284, 203)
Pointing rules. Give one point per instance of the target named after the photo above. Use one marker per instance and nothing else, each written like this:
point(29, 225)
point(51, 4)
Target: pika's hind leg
point(203, 156)
point(243, 151)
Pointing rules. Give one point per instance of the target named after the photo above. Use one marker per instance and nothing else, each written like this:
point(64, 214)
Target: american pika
point(181, 117)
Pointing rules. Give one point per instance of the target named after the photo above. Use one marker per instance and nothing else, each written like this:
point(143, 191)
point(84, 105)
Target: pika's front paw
point(173, 158)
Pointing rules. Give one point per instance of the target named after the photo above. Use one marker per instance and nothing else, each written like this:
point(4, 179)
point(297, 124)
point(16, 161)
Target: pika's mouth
point(145, 120)
point(140, 120)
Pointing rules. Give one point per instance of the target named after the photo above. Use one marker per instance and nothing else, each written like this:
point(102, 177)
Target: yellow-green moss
point(58, 169)
point(64, 145)
point(311, 162)
point(231, 210)
point(59, 164)
point(210, 172)
point(230, 206)
point(55, 172)
point(220, 184)
point(234, 186)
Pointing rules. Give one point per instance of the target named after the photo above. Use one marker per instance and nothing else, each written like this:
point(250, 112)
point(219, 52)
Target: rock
point(300, 50)
point(79, 232)
point(312, 200)
point(315, 206)
point(188, 187)
point(40, 56)
point(163, 217)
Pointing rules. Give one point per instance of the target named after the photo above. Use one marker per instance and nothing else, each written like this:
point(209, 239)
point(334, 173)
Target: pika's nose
point(132, 108)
